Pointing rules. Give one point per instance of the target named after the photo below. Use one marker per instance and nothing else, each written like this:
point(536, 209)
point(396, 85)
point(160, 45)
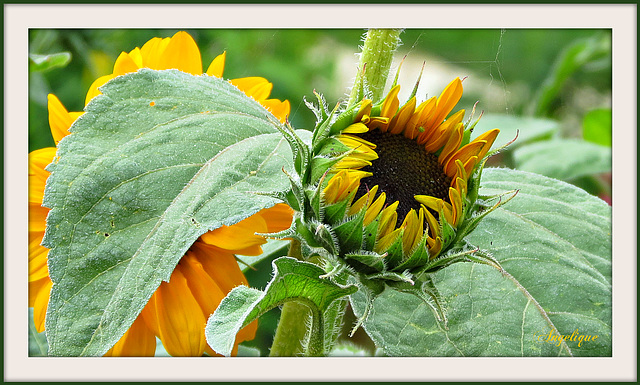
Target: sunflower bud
point(393, 190)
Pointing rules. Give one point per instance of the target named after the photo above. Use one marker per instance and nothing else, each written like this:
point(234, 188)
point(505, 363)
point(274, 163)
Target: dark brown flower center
point(403, 169)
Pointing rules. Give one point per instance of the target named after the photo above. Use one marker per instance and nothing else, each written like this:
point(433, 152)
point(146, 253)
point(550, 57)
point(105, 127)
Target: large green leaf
point(564, 159)
point(292, 280)
point(159, 159)
point(554, 243)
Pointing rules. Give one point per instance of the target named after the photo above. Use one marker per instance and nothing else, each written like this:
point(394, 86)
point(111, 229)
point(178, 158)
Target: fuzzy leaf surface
point(156, 161)
point(293, 280)
point(554, 242)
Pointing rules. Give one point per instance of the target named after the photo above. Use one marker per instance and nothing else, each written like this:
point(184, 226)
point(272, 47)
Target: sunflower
point(408, 169)
point(178, 310)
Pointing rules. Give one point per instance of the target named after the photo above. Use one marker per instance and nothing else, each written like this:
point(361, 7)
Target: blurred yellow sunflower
point(178, 310)
point(414, 158)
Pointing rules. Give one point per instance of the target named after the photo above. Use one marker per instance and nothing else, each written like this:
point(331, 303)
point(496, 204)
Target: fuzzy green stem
point(375, 62)
point(292, 327)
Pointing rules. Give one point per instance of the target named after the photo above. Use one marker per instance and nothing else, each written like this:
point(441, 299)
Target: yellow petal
point(138, 341)
point(238, 237)
point(391, 103)
point(93, 89)
point(456, 206)
point(411, 128)
point(152, 50)
point(357, 143)
point(37, 217)
point(37, 257)
point(470, 164)
point(203, 287)
point(428, 110)
point(341, 185)
point(449, 214)
point(447, 100)
point(430, 202)
point(374, 209)
point(351, 163)
point(38, 160)
point(452, 144)
point(59, 118)
point(136, 56)
point(386, 241)
point(489, 137)
point(435, 245)
point(278, 108)
point(434, 226)
point(412, 230)
point(399, 121)
point(460, 171)
point(356, 128)
point(365, 109)
point(380, 122)
point(444, 133)
point(461, 186)
point(330, 193)
point(181, 53)
point(216, 68)
point(278, 217)
point(40, 291)
point(175, 314)
point(364, 199)
point(124, 64)
point(220, 265)
point(257, 87)
point(465, 153)
point(388, 220)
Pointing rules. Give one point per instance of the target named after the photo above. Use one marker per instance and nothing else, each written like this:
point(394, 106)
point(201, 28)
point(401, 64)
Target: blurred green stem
point(375, 62)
